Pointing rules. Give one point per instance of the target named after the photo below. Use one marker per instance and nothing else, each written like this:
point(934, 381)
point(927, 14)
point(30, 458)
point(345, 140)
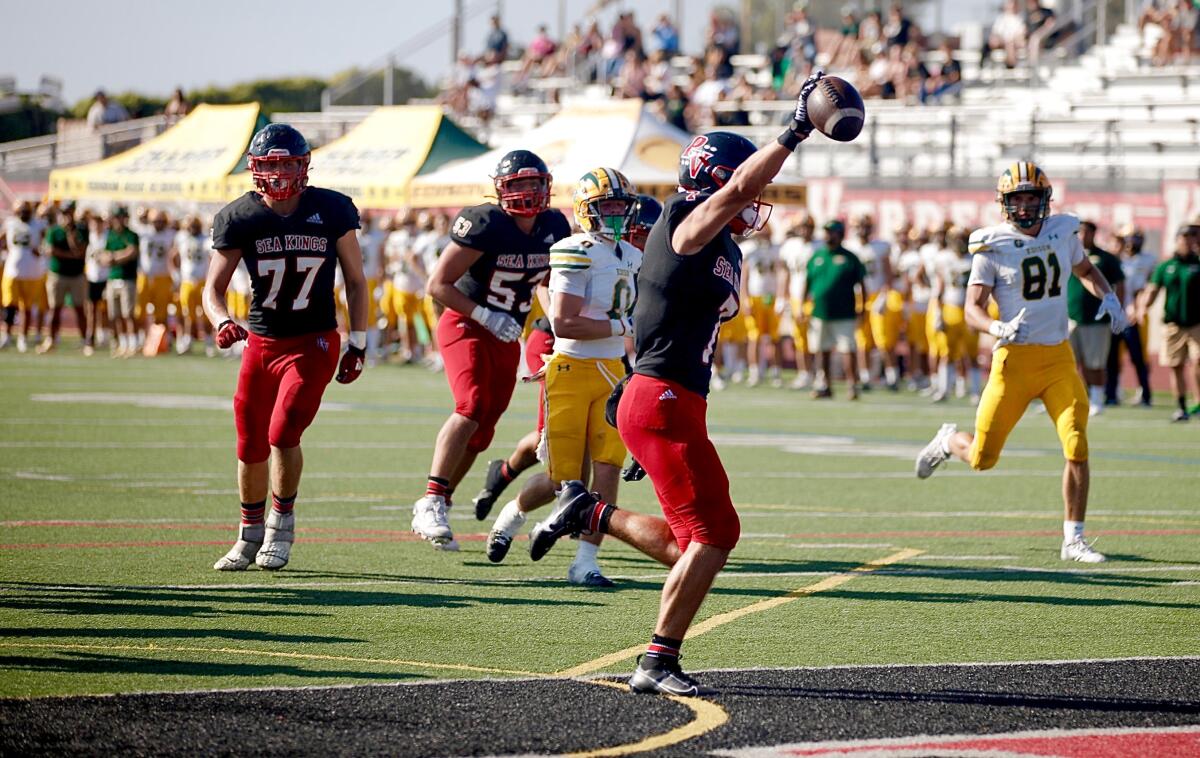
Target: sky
point(152, 46)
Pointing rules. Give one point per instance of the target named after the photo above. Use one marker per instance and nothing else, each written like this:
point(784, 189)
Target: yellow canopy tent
point(374, 162)
point(188, 162)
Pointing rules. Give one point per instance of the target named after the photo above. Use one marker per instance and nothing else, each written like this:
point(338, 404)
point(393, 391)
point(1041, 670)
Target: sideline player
point(194, 249)
point(486, 276)
point(291, 238)
point(688, 284)
point(592, 293)
point(795, 253)
point(1024, 263)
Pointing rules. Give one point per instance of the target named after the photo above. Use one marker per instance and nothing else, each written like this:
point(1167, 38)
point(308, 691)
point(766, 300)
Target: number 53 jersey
point(1029, 272)
point(603, 273)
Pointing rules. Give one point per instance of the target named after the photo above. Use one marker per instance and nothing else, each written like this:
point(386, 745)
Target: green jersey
point(58, 241)
point(1081, 304)
point(832, 275)
point(119, 240)
point(1179, 277)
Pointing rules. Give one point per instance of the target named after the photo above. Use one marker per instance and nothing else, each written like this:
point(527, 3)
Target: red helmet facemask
point(524, 202)
point(280, 177)
point(753, 217)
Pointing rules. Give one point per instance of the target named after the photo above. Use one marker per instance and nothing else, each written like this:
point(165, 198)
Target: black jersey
point(291, 260)
point(682, 300)
point(513, 263)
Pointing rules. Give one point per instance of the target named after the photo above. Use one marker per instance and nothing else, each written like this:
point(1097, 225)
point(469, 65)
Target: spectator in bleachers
point(665, 37)
point(631, 82)
point(803, 39)
point(1182, 27)
point(658, 74)
point(723, 33)
point(177, 107)
point(496, 46)
point(845, 51)
point(1040, 25)
point(104, 111)
point(1008, 34)
point(899, 29)
point(675, 106)
point(870, 34)
point(868, 76)
point(945, 77)
point(539, 59)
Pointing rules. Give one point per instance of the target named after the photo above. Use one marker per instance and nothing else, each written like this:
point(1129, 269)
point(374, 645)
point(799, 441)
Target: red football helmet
point(528, 198)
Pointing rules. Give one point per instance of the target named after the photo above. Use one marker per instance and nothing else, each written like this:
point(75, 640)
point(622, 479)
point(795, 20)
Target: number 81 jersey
point(604, 274)
point(1029, 272)
point(513, 263)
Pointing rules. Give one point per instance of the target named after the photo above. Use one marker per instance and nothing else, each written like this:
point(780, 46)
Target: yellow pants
point(801, 313)
point(734, 330)
point(915, 332)
point(156, 292)
point(191, 300)
point(409, 306)
point(22, 293)
point(238, 304)
point(1021, 374)
point(576, 391)
point(761, 319)
point(885, 327)
point(951, 343)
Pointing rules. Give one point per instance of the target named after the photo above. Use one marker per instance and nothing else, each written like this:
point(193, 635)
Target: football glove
point(800, 126)
point(1014, 331)
point(633, 472)
point(503, 326)
point(228, 333)
point(351, 364)
point(1110, 306)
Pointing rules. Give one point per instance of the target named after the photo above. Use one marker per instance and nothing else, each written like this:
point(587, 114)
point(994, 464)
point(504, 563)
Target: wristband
point(221, 325)
point(358, 340)
point(790, 139)
point(479, 314)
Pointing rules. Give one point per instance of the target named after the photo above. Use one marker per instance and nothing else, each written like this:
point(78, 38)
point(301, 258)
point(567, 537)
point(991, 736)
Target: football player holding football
point(688, 284)
point(291, 237)
point(497, 256)
point(592, 292)
point(1024, 263)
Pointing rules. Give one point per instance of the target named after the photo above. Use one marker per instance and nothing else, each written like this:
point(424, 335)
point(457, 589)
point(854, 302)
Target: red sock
point(283, 504)
point(437, 487)
point(507, 473)
point(252, 513)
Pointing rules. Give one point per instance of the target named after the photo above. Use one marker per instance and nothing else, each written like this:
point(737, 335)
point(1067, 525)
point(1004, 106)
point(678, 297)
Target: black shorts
point(96, 291)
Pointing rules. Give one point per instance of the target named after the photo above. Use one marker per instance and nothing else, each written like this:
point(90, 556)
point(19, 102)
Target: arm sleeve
point(983, 271)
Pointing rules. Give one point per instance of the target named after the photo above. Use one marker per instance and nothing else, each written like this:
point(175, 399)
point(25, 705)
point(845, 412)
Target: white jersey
point(912, 268)
point(397, 249)
point(371, 244)
point(604, 274)
point(1029, 272)
point(795, 252)
point(194, 252)
point(97, 243)
point(22, 261)
point(154, 254)
point(760, 261)
point(1137, 269)
point(872, 254)
point(955, 271)
point(429, 247)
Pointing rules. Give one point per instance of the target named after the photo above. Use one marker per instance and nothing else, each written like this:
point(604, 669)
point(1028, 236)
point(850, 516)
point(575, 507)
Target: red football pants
point(279, 390)
point(663, 427)
point(482, 372)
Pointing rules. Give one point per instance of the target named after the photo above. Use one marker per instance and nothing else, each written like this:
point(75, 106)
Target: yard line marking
point(721, 619)
point(959, 664)
point(273, 654)
point(708, 716)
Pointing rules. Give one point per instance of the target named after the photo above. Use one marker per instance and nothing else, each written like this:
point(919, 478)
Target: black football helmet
point(708, 163)
point(519, 165)
point(648, 211)
point(272, 161)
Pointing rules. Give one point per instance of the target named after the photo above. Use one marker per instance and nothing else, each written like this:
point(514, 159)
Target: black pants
point(1133, 345)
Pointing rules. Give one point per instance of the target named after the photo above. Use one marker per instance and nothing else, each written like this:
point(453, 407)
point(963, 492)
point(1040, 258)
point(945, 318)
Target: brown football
point(836, 109)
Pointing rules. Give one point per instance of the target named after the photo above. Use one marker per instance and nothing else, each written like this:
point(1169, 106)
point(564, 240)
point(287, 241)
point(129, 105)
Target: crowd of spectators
point(1171, 28)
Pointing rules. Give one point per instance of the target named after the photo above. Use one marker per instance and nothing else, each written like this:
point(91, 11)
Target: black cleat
point(634, 472)
point(493, 487)
point(569, 516)
point(666, 679)
point(498, 544)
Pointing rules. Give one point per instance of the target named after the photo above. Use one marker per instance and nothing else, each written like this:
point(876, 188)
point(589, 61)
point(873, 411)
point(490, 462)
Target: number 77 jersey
point(1029, 272)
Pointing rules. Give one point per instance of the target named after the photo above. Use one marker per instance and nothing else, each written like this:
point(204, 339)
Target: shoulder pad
point(1067, 223)
point(981, 240)
point(571, 253)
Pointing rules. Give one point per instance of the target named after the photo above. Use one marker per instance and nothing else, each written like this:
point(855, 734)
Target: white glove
point(1111, 307)
point(1015, 331)
point(504, 326)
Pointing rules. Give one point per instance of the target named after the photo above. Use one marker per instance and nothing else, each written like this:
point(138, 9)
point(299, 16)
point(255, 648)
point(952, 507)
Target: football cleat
point(430, 521)
point(498, 544)
point(569, 516)
point(277, 541)
point(1078, 550)
point(934, 454)
point(666, 679)
point(588, 575)
point(493, 487)
point(241, 555)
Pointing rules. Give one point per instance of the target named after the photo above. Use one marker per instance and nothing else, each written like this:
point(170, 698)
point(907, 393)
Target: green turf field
point(118, 494)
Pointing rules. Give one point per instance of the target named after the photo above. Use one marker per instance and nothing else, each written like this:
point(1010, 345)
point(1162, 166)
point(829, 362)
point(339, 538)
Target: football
point(836, 109)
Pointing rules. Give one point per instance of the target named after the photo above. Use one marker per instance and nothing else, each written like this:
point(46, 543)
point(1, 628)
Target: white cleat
point(277, 541)
point(430, 521)
point(241, 555)
point(1078, 550)
point(934, 454)
point(1095, 410)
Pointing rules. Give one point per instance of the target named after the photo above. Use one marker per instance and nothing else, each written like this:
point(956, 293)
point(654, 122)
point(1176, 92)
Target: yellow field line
point(708, 716)
point(274, 654)
point(604, 661)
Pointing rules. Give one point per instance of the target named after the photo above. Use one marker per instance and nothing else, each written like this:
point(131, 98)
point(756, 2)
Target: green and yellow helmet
point(1024, 176)
point(597, 186)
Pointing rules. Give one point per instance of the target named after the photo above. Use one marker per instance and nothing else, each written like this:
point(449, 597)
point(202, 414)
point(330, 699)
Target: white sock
point(890, 374)
point(864, 376)
point(976, 383)
point(943, 379)
point(510, 520)
point(586, 552)
point(1096, 394)
point(1072, 530)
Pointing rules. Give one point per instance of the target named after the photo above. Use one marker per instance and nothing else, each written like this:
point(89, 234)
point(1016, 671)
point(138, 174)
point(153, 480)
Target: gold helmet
point(1024, 176)
point(597, 186)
